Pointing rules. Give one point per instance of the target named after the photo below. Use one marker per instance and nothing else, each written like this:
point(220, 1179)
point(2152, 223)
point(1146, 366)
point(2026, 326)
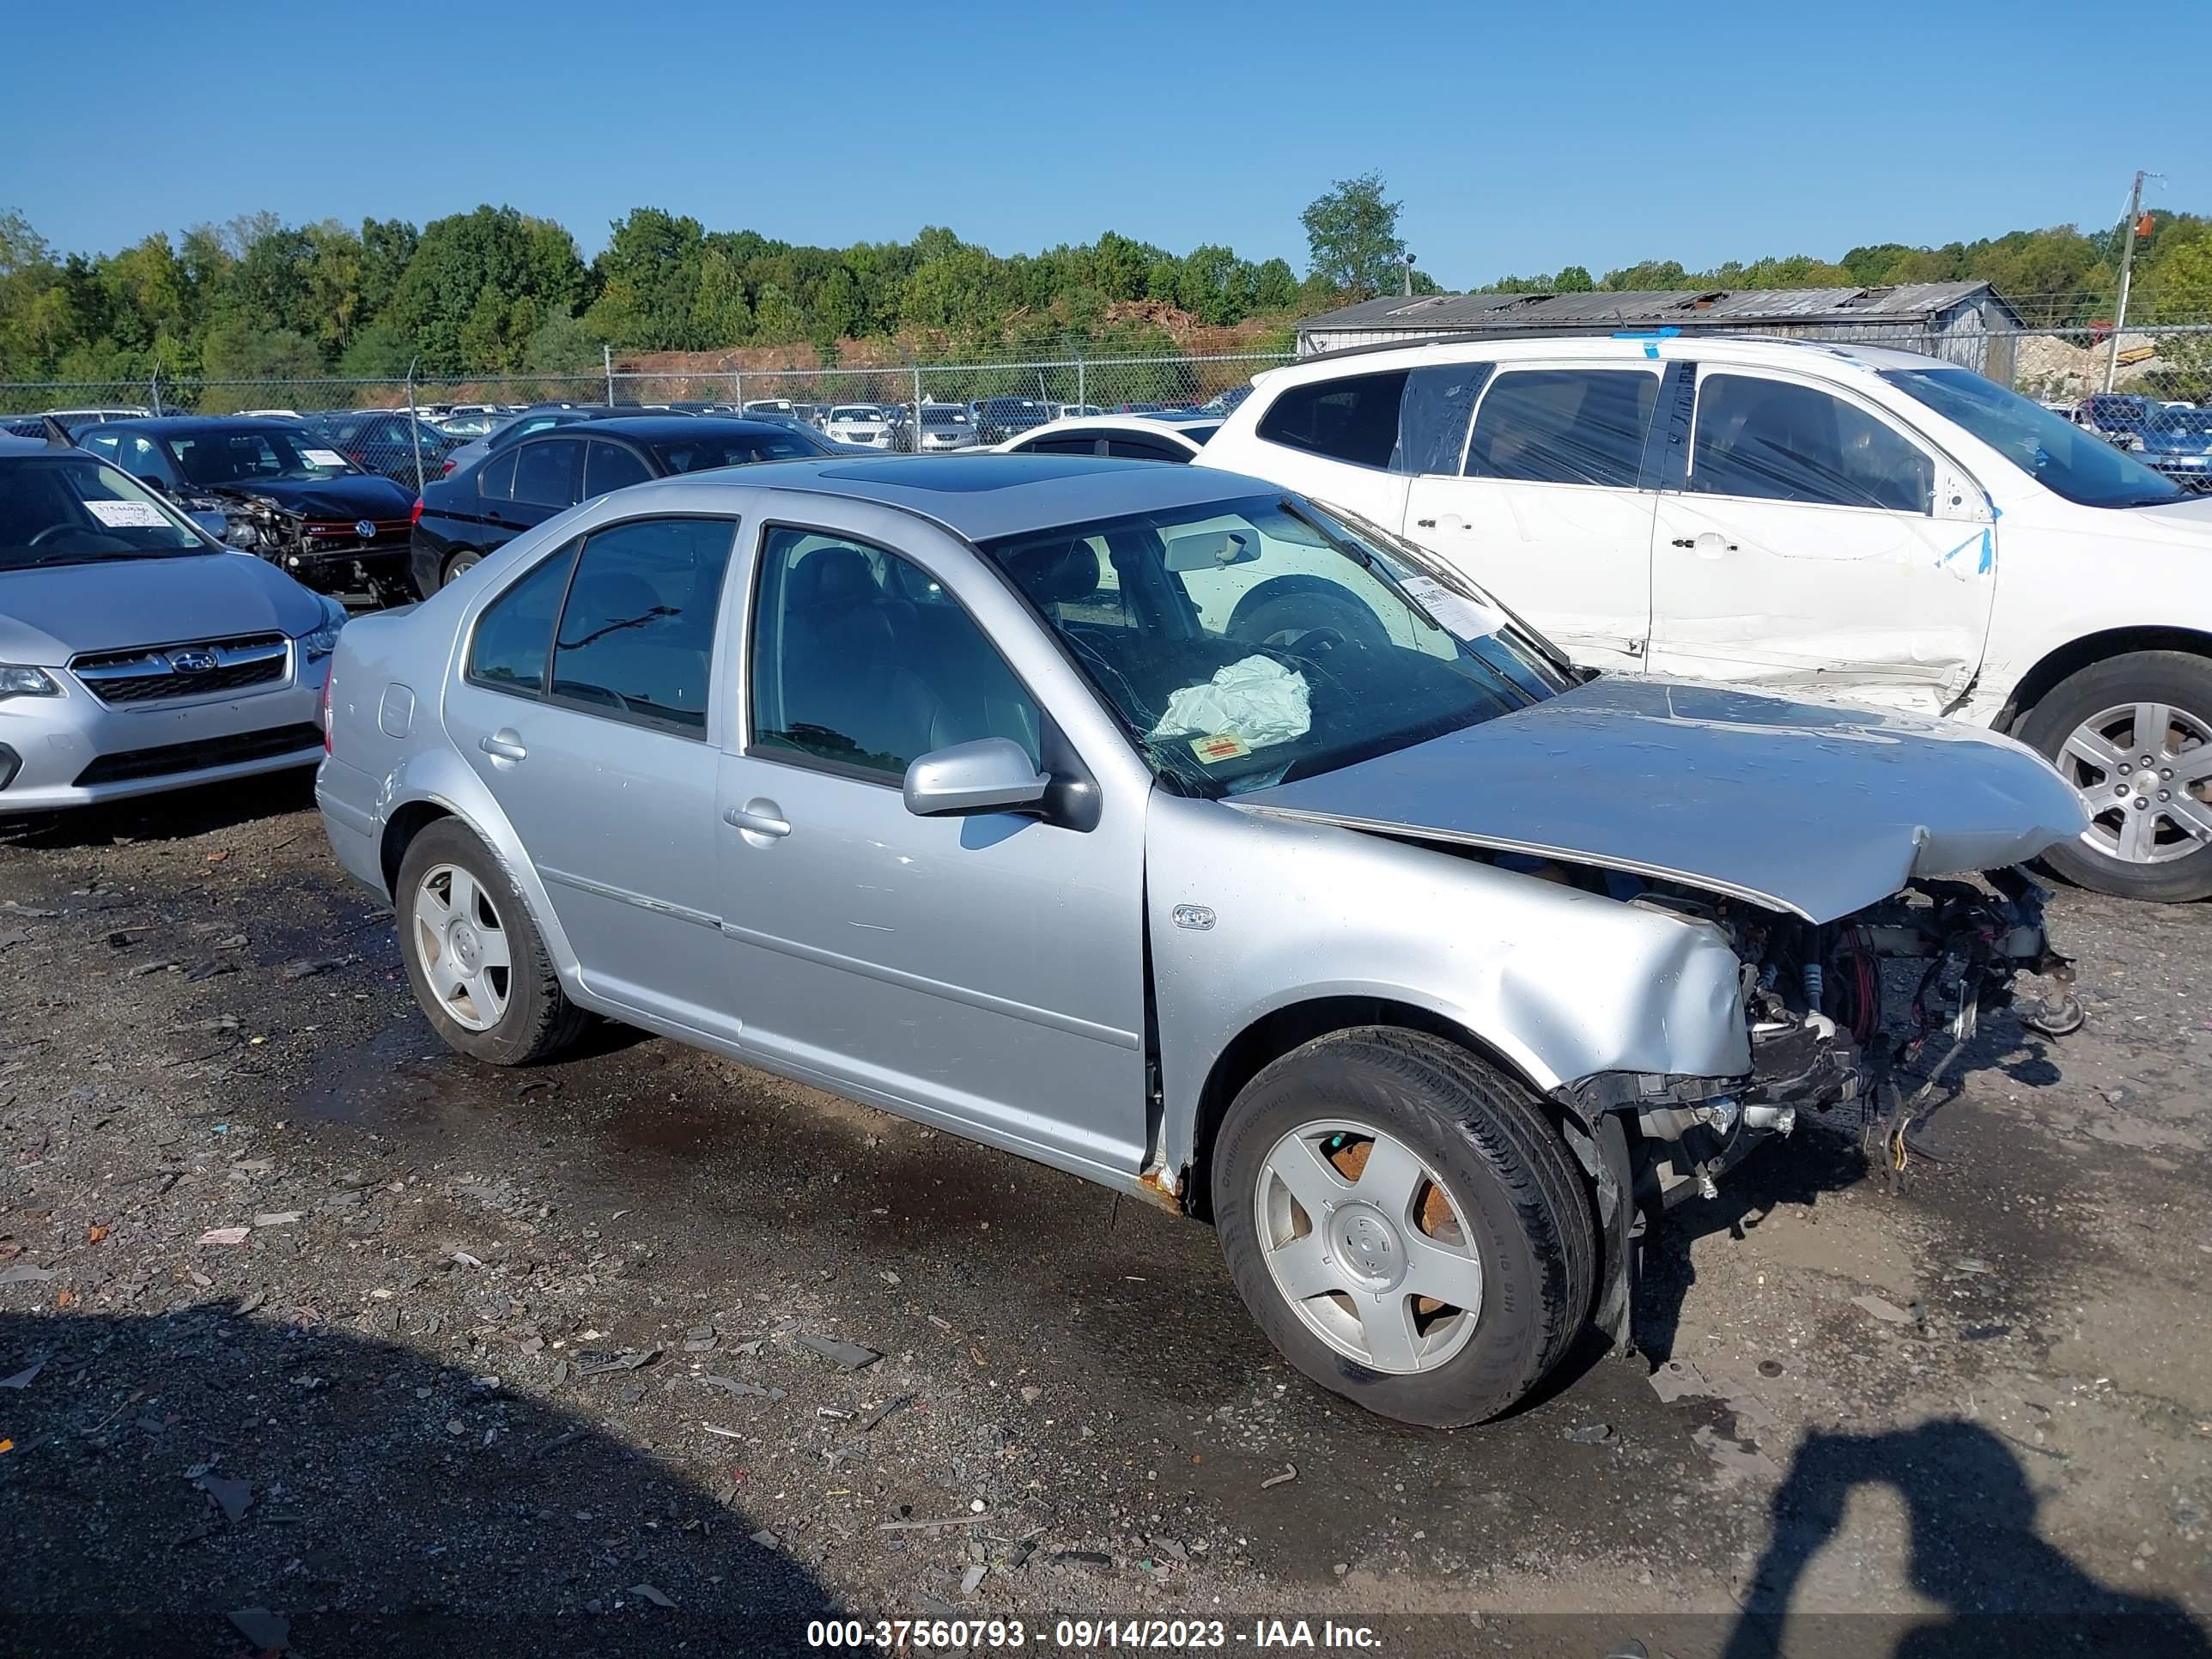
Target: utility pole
point(607, 362)
point(2127, 269)
point(1409, 275)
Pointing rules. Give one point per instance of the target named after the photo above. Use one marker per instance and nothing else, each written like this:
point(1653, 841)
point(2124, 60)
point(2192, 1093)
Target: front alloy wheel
point(1368, 1247)
point(2133, 736)
point(1406, 1224)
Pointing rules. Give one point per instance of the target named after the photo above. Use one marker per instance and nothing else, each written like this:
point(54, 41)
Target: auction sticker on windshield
point(129, 516)
point(325, 458)
point(1457, 615)
point(1223, 746)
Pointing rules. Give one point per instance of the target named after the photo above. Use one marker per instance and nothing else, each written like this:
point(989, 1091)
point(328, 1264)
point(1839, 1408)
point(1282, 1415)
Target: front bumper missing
point(1648, 1140)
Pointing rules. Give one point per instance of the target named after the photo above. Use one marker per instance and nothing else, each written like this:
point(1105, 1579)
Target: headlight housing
point(26, 682)
point(314, 647)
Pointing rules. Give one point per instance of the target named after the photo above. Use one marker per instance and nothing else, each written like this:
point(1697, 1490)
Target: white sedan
point(1125, 437)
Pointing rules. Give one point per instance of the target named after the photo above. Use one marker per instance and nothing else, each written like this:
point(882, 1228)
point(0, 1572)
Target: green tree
point(238, 349)
point(721, 315)
point(1352, 236)
point(564, 344)
point(380, 351)
point(1274, 286)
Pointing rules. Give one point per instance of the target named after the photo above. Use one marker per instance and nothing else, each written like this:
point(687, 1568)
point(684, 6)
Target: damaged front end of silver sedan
point(1862, 867)
point(1857, 1019)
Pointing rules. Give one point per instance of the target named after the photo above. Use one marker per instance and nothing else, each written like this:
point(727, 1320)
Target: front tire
point(1406, 1224)
point(2133, 735)
point(476, 963)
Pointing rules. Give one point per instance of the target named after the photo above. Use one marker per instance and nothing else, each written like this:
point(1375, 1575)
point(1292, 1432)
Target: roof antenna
point(57, 435)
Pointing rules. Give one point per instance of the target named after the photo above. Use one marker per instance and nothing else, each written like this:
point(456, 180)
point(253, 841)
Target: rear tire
point(1462, 1185)
point(459, 566)
point(476, 963)
point(2159, 852)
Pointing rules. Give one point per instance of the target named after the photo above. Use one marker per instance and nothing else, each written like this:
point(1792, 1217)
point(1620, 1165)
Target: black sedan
point(281, 493)
point(519, 487)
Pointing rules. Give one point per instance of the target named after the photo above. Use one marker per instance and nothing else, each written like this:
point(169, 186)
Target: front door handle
point(759, 817)
point(1709, 544)
point(506, 745)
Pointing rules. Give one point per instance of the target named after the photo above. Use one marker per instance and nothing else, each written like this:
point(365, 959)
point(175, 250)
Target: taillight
point(415, 517)
point(448, 471)
point(329, 678)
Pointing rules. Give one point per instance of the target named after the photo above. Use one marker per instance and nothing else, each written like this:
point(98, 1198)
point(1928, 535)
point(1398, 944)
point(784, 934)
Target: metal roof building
point(1967, 323)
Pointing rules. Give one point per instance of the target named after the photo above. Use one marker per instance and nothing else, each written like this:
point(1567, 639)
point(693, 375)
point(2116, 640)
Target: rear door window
point(1572, 426)
point(613, 467)
point(496, 478)
point(1775, 440)
point(515, 635)
point(545, 472)
point(636, 638)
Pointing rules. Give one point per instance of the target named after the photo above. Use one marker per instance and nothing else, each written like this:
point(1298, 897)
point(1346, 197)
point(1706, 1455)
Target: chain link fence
point(2146, 388)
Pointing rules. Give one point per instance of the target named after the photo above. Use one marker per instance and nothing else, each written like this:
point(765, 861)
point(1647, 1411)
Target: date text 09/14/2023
point(984, 1635)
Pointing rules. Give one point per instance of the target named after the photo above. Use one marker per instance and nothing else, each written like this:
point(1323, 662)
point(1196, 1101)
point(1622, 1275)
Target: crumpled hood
point(343, 498)
point(48, 616)
point(1816, 810)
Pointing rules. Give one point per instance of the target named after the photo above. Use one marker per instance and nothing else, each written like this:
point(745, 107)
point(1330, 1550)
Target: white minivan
point(1819, 519)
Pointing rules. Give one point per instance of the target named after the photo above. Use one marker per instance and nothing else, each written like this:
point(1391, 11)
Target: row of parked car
point(2169, 437)
point(1843, 522)
point(1326, 824)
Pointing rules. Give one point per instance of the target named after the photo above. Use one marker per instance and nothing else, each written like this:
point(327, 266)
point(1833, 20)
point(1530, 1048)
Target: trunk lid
point(1814, 810)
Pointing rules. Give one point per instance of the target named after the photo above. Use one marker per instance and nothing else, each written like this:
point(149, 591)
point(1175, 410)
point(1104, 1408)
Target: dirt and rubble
point(314, 1336)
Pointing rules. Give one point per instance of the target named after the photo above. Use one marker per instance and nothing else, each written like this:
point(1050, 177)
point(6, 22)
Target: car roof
point(164, 426)
point(985, 496)
point(652, 428)
point(1627, 345)
point(11, 444)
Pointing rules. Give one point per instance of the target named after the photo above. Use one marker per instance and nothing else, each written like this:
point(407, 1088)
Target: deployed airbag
point(1256, 700)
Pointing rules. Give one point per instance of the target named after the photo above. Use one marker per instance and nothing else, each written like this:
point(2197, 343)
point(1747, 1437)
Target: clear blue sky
point(1520, 138)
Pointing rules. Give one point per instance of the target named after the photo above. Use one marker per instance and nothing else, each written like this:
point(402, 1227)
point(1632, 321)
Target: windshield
point(1246, 643)
point(2062, 457)
point(210, 458)
point(2198, 421)
point(72, 510)
point(856, 412)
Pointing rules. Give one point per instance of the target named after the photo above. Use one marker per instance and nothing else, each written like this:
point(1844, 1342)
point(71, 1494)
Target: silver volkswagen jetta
point(138, 653)
point(1162, 827)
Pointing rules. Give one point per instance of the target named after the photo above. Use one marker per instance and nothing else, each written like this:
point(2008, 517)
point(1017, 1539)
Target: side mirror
point(991, 774)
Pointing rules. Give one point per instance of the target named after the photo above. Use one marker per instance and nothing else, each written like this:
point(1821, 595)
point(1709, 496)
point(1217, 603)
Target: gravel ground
point(299, 1313)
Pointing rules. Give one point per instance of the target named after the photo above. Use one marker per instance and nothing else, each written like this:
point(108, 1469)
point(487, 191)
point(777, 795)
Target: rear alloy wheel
point(460, 565)
point(475, 959)
point(2134, 738)
point(1406, 1224)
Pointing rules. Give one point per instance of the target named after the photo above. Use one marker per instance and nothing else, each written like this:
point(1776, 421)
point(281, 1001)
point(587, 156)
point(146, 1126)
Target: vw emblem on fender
point(191, 662)
point(364, 528)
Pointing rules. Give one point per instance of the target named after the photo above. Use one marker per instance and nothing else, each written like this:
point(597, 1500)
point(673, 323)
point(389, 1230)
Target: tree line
point(496, 290)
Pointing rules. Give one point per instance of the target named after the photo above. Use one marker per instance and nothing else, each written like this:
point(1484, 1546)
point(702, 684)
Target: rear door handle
point(758, 818)
point(503, 744)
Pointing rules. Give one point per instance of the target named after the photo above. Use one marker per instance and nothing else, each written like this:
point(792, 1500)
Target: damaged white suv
point(1835, 520)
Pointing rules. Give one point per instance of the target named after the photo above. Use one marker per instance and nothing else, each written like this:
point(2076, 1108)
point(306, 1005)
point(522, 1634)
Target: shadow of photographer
point(1974, 1549)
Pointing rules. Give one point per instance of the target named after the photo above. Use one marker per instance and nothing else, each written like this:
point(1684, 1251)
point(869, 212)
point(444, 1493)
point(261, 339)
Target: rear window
point(1353, 420)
